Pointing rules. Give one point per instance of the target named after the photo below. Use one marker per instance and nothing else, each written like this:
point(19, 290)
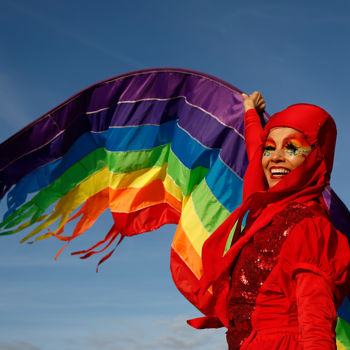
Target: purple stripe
point(213, 95)
point(135, 114)
point(209, 93)
point(340, 215)
point(233, 153)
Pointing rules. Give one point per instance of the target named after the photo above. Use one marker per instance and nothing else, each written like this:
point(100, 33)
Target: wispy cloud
point(162, 334)
point(18, 345)
point(148, 333)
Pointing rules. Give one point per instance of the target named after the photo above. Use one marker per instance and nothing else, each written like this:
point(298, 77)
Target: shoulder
point(312, 223)
point(294, 214)
point(314, 244)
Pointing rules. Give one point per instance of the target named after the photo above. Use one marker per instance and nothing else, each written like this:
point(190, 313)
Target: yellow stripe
point(142, 177)
point(172, 188)
point(26, 224)
point(96, 183)
point(340, 346)
point(192, 225)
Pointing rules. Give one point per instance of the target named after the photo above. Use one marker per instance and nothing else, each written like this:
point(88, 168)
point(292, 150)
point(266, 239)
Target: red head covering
point(303, 184)
point(309, 179)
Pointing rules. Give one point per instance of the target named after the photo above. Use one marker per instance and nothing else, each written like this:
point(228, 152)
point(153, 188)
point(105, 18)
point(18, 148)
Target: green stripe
point(125, 162)
point(230, 238)
point(24, 212)
point(209, 210)
point(184, 177)
point(343, 332)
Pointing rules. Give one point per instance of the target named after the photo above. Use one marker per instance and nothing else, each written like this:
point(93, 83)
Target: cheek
point(296, 161)
point(264, 161)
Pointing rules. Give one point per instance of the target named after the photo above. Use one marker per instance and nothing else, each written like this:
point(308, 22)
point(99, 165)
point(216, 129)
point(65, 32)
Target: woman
point(279, 283)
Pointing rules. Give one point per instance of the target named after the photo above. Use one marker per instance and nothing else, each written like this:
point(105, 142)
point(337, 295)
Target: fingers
point(260, 104)
point(255, 100)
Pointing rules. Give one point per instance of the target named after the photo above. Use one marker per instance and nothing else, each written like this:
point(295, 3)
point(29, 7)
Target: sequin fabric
point(253, 265)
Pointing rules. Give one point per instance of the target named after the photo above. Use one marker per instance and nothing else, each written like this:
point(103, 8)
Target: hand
point(254, 101)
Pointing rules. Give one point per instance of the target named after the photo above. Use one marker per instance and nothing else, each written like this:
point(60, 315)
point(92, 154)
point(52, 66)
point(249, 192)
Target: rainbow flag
point(154, 147)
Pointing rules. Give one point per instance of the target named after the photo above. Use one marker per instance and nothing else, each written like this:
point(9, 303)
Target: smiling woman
point(282, 278)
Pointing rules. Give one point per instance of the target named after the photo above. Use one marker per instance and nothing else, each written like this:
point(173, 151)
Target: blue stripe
point(225, 185)
point(124, 139)
point(344, 310)
point(190, 152)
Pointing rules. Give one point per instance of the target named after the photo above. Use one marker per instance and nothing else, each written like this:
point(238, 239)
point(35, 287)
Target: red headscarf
point(314, 173)
point(303, 184)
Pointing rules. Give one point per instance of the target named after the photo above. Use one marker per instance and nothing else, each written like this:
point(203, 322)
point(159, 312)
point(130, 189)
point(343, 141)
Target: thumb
point(245, 96)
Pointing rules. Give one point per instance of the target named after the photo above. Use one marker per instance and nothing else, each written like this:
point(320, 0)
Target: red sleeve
point(315, 265)
point(317, 315)
point(314, 245)
point(252, 131)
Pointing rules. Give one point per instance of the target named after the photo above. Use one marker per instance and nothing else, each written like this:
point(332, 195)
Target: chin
point(273, 183)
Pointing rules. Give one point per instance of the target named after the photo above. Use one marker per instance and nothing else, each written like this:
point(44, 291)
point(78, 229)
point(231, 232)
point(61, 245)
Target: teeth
point(279, 171)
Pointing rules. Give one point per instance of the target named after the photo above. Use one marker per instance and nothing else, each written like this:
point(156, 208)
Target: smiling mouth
point(277, 173)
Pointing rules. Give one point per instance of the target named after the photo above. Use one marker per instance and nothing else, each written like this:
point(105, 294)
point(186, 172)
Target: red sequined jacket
point(296, 259)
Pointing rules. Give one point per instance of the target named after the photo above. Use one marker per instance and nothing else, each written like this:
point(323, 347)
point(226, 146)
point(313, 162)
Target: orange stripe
point(131, 199)
point(124, 200)
point(185, 250)
point(90, 211)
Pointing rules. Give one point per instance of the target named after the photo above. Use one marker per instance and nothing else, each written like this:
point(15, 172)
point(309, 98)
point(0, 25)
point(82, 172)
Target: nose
point(277, 156)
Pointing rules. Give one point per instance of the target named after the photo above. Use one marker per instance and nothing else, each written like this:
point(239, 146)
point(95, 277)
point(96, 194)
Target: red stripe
point(146, 219)
point(188, 284)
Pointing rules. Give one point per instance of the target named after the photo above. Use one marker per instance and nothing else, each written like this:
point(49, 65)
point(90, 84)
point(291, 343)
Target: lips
point(278, 172)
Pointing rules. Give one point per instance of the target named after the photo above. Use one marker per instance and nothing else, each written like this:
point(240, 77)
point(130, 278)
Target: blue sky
point(291, 51)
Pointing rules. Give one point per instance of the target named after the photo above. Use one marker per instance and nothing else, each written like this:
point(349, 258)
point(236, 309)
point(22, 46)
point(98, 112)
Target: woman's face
point(284, 150)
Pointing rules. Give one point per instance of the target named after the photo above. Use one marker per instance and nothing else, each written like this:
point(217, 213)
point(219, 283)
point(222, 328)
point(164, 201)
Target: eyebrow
point(299, 138)
point(270, 140)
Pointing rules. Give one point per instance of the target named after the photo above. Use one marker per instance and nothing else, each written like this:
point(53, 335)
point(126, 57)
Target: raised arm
point(253, 104)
